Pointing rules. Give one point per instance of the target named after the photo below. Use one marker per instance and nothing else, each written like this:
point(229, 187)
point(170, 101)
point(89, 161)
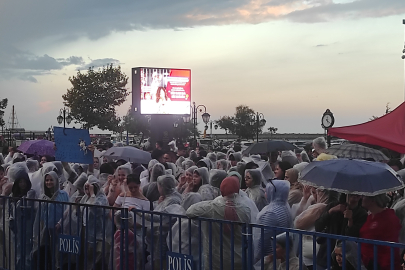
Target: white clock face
point(327, 121)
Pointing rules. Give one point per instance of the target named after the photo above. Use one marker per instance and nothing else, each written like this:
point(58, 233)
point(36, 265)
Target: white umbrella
point(128, 153)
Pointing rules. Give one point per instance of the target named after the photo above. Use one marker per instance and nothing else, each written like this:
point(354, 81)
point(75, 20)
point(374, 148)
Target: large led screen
point(165, 91)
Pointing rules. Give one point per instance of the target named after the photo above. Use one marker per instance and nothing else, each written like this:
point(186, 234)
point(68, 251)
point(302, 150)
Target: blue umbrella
point(352, 176)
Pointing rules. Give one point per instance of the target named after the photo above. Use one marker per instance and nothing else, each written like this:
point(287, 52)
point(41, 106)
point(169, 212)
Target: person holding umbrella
point(341, 218)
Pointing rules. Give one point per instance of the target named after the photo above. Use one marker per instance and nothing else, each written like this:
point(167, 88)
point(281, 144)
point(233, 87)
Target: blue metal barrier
point(88, 239)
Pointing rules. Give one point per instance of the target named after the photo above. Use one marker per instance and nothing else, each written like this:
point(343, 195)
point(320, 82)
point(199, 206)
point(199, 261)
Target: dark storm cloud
point(23, 22)
point(100, 63)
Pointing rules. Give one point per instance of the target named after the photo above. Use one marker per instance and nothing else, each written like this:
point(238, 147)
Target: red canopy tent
point(387, 131)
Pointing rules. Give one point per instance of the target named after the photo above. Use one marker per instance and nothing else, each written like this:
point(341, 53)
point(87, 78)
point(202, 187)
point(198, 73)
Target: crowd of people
point(259, 189)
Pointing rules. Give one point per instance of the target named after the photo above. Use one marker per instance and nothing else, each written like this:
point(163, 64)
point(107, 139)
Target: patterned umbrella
point(356, 151)
point(38, 147)
point(352, 176)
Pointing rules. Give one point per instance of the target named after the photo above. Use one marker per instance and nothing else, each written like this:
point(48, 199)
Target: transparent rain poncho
point(37, 177)
point(186, 231)
point(96, 223)
point(275, 214)
point(22, 216)
point(151, 191)
point(216, 210)
point(256, 193)
point(169, 205)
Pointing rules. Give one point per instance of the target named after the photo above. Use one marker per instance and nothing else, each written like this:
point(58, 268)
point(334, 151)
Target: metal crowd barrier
point(154, 241)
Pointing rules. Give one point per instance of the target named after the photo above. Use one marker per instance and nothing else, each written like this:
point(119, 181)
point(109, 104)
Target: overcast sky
point(288, 59)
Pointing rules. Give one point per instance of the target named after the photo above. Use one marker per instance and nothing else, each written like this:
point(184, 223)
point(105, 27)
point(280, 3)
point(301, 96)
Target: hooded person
point(114, 187)
point(60, 172)
point(95, 224)
point(215, 178)
point(22, 216)
point(33, 165)
point(193, 155)
point(290, 157)
point(187, 163)
point(180, 240)
point(275, 214)
point(221, 156)
point(169, 203)
point(223, 164)
point(351, 255)
point(151, 191)
point(213, 158)
point(234, 158)
point(285, 250)
point(245, 199)
point(254, 179)
point(179, 162)
point(106, 171)
point(200, 178)
point(295, 195)
point(13, 172)
point(228, 207)
point(205, 162)
point(37, 177)
point(47, 220)
point(206, 190)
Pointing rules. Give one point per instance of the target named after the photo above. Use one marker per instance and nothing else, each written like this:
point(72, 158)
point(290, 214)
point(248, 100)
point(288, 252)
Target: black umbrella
point(269, 146)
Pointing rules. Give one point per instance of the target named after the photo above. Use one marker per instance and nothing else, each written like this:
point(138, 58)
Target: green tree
point(136, 124)
point(3, 105)
point(243, 123)
point(272, 130)
point(94, 95)
point(387, 110)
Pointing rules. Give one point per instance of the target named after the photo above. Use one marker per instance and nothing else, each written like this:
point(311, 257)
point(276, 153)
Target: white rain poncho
point(151, 191)
point(15, 169)
point(21, 220)
point(60, 172)
point(223, 164)
point(187, 164)
point(185, 230)
point(216, 177)
point(47, 216)
point(169, 205)
point(276, 214)
point(206, 191)
point(37, 177)
point(213, 158)
point(205, 162)
point(204, 173)
point(216, 210)
point(96, 223)
point(251, 204)
point(33, 165)
point(256, 193)
point(221, 156)
point(290, 157)
point(179, 162)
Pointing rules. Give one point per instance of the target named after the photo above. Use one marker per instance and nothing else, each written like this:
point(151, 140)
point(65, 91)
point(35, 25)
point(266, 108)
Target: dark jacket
point(335, 223)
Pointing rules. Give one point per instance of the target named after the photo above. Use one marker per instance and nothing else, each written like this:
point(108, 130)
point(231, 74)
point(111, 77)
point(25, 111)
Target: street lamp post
point(205, 116)
point(258, 118)
point(65, 117)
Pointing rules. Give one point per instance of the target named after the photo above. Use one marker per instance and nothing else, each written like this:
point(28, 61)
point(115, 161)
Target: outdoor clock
point(327, 119)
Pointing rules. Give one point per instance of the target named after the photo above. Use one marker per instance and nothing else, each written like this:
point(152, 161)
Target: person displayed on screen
point(161, 94)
